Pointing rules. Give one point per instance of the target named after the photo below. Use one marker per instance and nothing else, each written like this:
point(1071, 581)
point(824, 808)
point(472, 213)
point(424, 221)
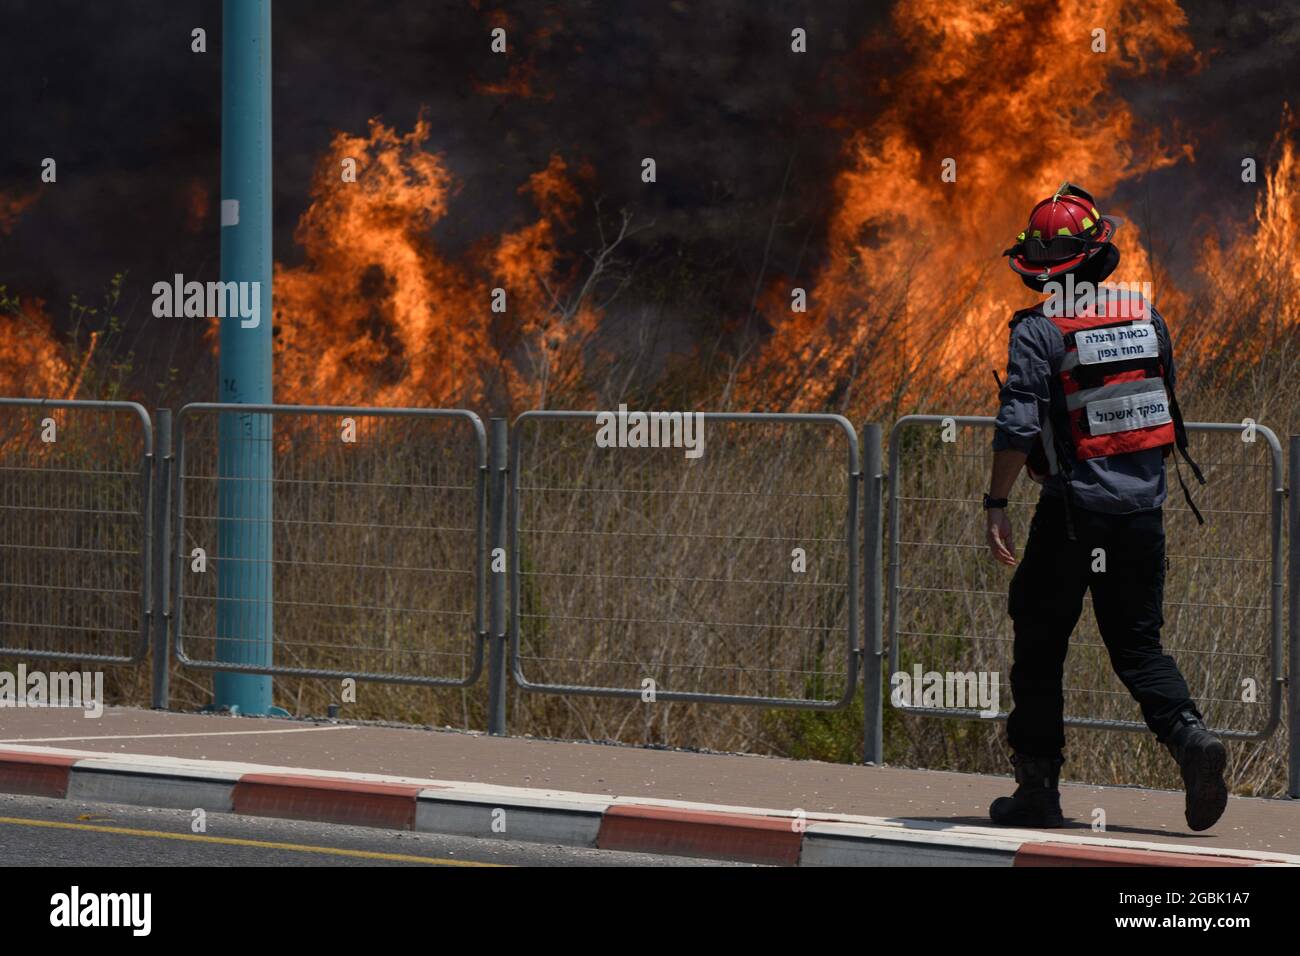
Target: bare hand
point(999, 537)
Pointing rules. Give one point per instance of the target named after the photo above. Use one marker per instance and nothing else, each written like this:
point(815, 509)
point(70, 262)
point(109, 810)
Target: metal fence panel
point(630, 565)
point(377, 541)
point(947, 601)
point(74, 534)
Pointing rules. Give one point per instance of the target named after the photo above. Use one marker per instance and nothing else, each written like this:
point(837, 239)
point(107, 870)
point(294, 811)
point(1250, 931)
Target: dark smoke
point(746, 136)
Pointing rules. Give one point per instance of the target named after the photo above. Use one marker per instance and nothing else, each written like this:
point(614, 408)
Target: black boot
point(1037, 801)
point(1202, 757)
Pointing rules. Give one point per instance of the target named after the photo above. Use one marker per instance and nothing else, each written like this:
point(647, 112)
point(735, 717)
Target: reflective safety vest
point(1116, 396)
point(1113, 381)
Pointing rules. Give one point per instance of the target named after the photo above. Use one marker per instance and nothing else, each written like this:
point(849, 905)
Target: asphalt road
point(37, 831)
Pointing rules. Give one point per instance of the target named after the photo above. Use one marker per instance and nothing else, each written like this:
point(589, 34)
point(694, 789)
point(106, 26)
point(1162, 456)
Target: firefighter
point(1089, 406)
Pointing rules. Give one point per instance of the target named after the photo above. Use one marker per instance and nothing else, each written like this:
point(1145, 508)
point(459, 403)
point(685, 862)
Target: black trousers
point(1045, 602)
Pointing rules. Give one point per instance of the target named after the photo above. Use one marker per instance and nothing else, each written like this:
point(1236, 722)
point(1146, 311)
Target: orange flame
point(1016, 97)
point(32, 364)
point(1258, 270)
point(197, 203)
point(378, 315)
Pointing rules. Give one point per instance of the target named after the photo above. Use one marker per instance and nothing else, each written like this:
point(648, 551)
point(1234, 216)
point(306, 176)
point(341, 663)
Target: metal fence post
point(1293, 622)
point(497, 492)
point(872, 536)
point(160, 554)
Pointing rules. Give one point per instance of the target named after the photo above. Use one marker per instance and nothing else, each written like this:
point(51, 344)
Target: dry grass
point(72, 530)
point(642, 564)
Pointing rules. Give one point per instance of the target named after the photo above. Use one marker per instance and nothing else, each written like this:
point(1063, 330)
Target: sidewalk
point(722, 805)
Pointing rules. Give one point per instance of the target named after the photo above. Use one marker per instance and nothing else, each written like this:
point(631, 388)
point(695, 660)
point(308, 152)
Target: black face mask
point(1094, 270)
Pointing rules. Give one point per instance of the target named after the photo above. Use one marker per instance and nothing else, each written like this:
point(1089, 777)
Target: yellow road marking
point(236, 841)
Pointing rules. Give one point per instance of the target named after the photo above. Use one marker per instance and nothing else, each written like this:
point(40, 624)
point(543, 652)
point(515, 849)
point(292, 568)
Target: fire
point(553, 333)
point(1266, 250)
point(518, 81)
point(1278, 210)
point(521, 73)
point(1260, 262)
point(32, 364)
point(377, 314)
point(910, 294)
point(198, 201)
point(1015, 95)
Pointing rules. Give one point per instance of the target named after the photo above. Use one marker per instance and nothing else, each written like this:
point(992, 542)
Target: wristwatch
point(990, 503)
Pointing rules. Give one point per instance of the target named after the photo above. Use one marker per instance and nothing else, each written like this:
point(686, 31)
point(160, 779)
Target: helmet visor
point(1057, 248)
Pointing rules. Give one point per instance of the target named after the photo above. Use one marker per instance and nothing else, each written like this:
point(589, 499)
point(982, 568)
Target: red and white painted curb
point(639, 824)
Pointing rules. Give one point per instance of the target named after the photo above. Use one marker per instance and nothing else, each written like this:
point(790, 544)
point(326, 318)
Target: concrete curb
point(1063, 854)
point(671, 827)
point(36, 775)
point(708, 834)
point(521, 816)
point(176, 788)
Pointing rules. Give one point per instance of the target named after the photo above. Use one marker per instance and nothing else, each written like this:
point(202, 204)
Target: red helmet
point(1065, 230)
